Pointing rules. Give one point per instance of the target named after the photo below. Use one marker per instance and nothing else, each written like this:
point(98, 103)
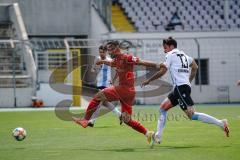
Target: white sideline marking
point(35, 109)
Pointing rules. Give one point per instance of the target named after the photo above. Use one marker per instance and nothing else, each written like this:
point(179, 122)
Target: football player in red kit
point(124, 92)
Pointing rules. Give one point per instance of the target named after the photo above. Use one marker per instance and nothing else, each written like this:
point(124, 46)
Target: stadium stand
point(120, 20)
point(190, 15)
point(17, 67)
point(11, 61)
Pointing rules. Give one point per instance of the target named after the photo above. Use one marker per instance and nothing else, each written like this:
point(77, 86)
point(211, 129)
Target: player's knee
point(163, 108)
point(190, 113)
point(165, 105)
point(100, 96)
point(126, 117)
point(189, 116)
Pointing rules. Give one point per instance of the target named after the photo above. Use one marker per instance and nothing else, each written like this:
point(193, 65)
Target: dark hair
point(170, 41)
point(103, 47)
point(114, 43)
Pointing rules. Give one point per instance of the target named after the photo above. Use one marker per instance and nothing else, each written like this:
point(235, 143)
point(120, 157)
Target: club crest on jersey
point(129, 75)
point(135, 59)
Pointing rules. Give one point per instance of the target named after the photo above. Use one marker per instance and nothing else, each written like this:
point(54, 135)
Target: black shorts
point(181, 95)
point(101, 87)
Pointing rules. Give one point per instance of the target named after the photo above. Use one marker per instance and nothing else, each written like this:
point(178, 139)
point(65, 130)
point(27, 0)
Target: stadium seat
point(194, 14)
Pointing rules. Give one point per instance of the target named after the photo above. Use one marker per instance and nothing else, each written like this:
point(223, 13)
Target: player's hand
point(144, 83)
point(93, 70)
point(238, 83)
point(99, 62)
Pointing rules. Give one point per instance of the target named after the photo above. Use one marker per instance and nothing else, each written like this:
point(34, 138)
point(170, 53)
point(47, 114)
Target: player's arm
point(238, 82)
point(148, 64)
point(107, 62)
point(160, 73)
point(194, 69)
point(138, 61)
point(93, 69)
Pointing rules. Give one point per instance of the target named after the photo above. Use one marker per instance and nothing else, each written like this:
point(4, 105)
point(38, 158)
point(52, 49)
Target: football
point(19, 133)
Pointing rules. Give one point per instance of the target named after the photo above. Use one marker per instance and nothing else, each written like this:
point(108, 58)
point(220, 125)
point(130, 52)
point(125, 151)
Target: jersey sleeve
point(167, 61)
point(94, 66)
point(190, 60)
point(132, 59)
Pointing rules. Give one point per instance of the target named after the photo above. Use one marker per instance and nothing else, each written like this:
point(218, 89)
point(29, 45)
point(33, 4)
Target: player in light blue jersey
point(104, 71)
point(182, 69)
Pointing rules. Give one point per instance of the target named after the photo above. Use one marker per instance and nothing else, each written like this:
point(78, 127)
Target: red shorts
point(123, 94)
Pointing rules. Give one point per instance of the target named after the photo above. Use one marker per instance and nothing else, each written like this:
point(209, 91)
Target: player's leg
point(94, 104)
point(111, 94)
point(205, 118)
point(127, 119)
point(164, 107)
point(186, 103)
point(112, 108)
point(108, 105)
point(126, 101)
point(106, 96)
point(92, 107)
point(94, 116)
point(137, 126)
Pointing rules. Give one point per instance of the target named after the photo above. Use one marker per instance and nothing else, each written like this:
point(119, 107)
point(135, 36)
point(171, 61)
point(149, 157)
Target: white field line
point(34, 109)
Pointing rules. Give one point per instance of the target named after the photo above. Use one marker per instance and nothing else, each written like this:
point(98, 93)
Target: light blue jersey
point(104, 74)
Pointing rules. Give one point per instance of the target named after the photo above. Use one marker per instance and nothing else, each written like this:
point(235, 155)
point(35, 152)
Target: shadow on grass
point(102, 127)
point(177, 147)
point(115, 150)
point(156, 148)
point(147, 149)
point(186, 147)
point(20, 148)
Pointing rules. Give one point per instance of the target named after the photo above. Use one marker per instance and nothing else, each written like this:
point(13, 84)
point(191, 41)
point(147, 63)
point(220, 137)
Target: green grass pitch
point(50, 138)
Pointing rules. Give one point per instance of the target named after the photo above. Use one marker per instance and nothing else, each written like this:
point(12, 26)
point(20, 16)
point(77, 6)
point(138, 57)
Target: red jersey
point(124, 64)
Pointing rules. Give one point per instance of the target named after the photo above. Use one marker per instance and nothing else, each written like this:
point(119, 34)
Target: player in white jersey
point(103, 80)
point(182, 69)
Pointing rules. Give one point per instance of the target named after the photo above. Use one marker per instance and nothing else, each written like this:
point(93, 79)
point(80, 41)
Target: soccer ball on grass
point(19, 133)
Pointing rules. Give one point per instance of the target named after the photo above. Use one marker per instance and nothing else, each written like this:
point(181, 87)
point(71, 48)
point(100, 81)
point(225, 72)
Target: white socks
point(108, 105)
point(207, 119)
point(112, 108)
point(161, 123)
point(196, 116)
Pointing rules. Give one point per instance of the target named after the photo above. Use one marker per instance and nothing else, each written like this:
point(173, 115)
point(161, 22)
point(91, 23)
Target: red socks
point(92, 107)
point(137, 126)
